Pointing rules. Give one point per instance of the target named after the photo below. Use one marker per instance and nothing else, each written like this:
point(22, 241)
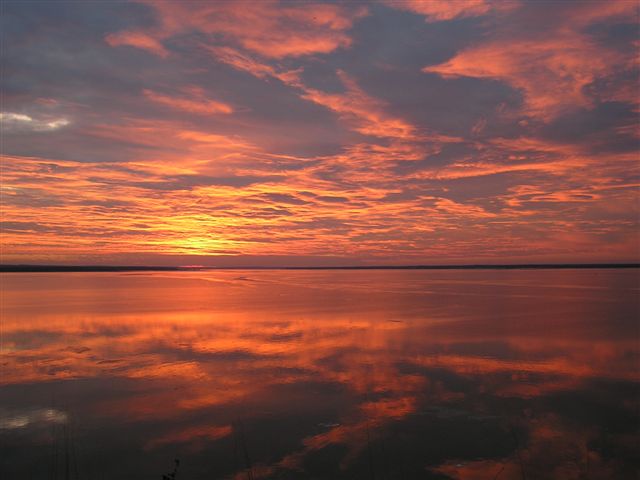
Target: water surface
point(320, 374)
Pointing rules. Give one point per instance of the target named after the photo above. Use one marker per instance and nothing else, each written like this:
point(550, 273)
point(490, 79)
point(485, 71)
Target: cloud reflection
point(395, 364)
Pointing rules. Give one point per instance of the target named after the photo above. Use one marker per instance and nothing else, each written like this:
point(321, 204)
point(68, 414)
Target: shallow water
point(320, 374)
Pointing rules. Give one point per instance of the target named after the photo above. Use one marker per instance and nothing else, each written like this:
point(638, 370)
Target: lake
point(322, 374)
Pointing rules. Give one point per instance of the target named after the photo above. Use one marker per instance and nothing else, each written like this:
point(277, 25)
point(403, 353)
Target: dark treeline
point(115, 268)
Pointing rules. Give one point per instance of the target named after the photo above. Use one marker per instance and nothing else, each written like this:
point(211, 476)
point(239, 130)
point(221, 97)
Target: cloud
point(190, 435)
point(29, 418)
point(139, 40)
point(551, 62)
point(441, 10)
point(246, 63)
point(19, 122)
point(365, 113)
point(187, 182)
point(192, 99)
point(270, 29)
point(323, 130)
point(362, 112)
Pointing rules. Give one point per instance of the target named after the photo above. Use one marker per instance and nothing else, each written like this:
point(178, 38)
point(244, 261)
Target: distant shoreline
point(115, 268)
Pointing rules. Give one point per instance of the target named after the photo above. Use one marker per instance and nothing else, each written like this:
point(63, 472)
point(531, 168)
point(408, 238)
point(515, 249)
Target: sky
point(273, 133)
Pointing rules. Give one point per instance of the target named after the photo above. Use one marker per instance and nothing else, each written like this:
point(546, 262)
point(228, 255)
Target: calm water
point(321, 374)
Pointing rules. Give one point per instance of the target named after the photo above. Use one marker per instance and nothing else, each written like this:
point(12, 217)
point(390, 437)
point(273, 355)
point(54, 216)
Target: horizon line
point(35, 268)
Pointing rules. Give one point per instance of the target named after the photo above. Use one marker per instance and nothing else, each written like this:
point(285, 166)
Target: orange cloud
point(243, 62)
point(547, 90)
point(480, 469)
point(267, 28)
point(352, 170)
point(551, 72)
point(192, 206)
point(192, 434)
point(139, 40)
point(193, 100)
point(361, 110)
point(366, 114)
point(439, 10)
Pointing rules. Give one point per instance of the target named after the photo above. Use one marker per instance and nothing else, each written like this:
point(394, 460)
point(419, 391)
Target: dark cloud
point(601, 129)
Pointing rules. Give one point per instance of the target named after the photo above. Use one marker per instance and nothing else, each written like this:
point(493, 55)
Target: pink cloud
point(440, 10)
point(192, 99)
point(551, 70)
point(268, 28)
point(139, 40)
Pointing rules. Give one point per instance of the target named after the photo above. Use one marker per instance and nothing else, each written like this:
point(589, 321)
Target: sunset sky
point(338, 133)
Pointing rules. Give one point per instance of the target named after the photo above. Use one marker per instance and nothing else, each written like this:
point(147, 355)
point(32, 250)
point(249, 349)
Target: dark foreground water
point(320, 375)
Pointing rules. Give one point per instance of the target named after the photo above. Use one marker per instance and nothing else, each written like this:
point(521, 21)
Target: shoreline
point(140, 268)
